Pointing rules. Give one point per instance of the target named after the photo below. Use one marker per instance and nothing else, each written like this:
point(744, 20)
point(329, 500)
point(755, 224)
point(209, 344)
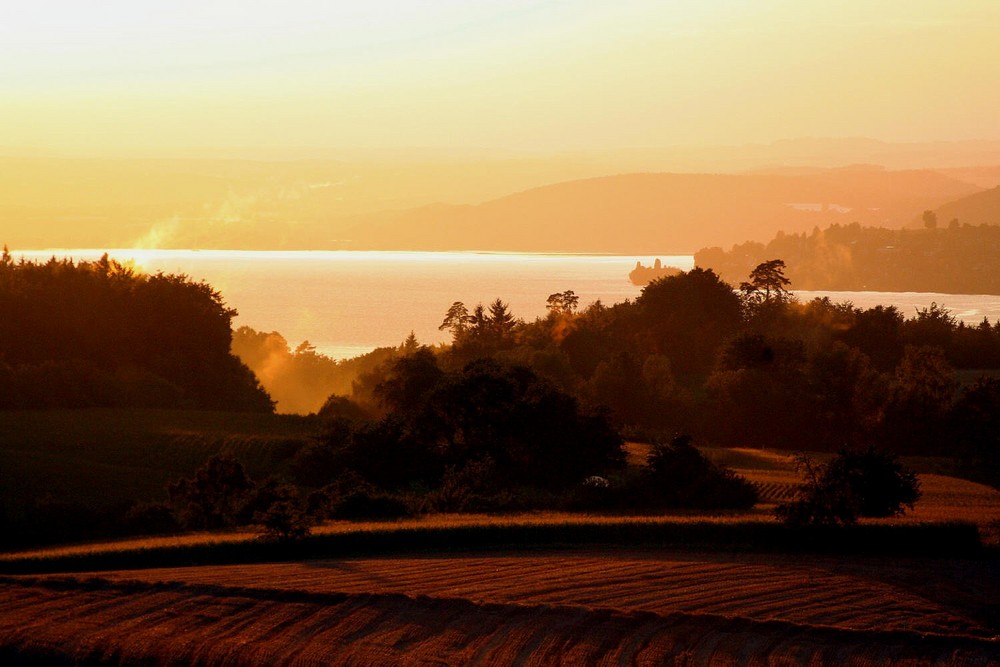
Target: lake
point(349, 302)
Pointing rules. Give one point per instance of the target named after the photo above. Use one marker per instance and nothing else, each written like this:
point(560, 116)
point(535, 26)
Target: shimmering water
point(347, 303)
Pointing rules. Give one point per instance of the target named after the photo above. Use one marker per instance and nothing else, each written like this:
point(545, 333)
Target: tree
point(563, 303)
point(284, 518)
point(409, 382)
point(878, 332)
point(534, 433)
point(865, 483)
point(920, 396)
point(766, 285)
point(930, 219)
point(501, 321)
point(457, 320)
point(849, 396)
point(758, 395)
point(410, 345)
point(975, 421)
point(119, 331)
point(686, 318)
point(214, 497)
point(933, 326)
point(681, 476)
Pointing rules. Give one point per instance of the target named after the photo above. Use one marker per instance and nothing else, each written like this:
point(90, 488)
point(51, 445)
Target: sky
point(521, 76)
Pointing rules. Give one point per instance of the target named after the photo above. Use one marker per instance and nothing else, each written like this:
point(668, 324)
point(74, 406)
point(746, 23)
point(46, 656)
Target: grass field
point(102, 457)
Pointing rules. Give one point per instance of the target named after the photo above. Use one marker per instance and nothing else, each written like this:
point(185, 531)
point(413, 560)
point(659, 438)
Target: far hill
point(960, 259)
point(639, 213)
point(981, 208)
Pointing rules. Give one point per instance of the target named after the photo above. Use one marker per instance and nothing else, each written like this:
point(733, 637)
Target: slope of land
point(249, 204)
point(980, 208)
point(64, 473)
point(606, 603)
point(636, 212)
point(380, 204)
point(580, 608)
point(959, 259)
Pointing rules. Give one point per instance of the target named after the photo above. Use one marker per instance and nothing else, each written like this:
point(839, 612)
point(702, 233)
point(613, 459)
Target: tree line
point(956, 258)
point(749, 366)
point(84, 334)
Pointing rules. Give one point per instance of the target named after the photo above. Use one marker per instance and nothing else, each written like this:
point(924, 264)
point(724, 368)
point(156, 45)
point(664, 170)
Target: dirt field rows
point(577, 607)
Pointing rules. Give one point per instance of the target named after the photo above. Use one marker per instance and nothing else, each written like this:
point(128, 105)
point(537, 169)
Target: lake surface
point(349, 302)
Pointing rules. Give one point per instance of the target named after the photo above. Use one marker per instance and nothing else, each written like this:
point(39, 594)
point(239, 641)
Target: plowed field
point(571, 607)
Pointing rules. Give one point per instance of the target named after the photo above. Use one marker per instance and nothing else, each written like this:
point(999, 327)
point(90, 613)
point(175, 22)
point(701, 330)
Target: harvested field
point(578, 607)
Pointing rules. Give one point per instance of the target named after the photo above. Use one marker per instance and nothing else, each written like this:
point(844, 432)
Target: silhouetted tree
point(863, 483)
point(409, 345)
point(849, 396)
point(409, 382)
point(767, 283)
point(679, 475)
point(686, 318)
point(975, 421)
point(878, 332)
point(921, 395)
point(562, 302)
point(501, 321)
point(457, 320)
point(758, 396)
point(103, 327)
point(214, 497)
point(534, 433)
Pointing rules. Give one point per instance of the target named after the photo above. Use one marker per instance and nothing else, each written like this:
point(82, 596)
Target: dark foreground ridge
point(929, 540)
point(94, 621)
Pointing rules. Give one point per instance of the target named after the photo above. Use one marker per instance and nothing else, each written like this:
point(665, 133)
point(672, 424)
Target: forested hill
point(101, 334)
point(959, 259)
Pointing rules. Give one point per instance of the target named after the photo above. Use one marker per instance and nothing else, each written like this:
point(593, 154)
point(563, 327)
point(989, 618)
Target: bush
point(215, 496)
point(680, 476)
point(146, 518)
point(352, 497)
point(471, 488)
point(854, 484)
point(370, 504)
point(285, 518)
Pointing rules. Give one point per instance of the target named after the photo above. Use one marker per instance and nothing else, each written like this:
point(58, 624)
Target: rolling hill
point(642, 213)
point(980, 208)
point(573, 204)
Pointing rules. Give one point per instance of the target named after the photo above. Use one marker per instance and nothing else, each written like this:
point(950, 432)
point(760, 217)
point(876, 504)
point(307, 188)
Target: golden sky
point(518, 75)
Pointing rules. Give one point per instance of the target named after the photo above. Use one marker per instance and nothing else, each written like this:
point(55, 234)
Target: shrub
point(854, 484)
point(681, 476)
point(147, 518)
point(285, 518)
point(471, 488)
point(370, 504)
point(215, 496)
point(352, 497)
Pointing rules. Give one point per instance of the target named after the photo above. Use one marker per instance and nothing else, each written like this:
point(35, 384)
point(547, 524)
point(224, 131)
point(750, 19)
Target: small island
point(643, 275)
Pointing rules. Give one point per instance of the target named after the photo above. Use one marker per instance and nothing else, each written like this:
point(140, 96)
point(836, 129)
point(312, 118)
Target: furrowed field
point(537, 588)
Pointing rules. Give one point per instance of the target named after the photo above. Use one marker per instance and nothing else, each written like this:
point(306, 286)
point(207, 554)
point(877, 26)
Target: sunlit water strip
point(346, 303)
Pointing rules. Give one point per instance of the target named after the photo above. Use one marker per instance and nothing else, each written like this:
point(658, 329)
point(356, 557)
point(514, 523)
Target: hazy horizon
point(410, 125)
point(512, 78)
